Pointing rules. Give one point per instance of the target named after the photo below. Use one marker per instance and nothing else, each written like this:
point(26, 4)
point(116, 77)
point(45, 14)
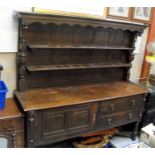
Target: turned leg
point(135, 131)
point(30, 129)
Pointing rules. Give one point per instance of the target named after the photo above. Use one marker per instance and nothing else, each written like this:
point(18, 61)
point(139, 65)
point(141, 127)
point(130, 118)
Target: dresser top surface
point(10, 111)
point(65, 96)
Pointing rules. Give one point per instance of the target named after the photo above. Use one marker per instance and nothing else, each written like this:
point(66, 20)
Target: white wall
point(153, 69)
point(9, 25)
point(9, 28)
point(139, 56)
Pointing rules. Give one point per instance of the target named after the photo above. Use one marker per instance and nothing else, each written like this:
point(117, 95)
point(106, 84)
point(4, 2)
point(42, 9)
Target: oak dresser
point(73, 76)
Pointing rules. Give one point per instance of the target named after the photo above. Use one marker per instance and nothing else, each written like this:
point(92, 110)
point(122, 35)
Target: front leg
point(30, 128)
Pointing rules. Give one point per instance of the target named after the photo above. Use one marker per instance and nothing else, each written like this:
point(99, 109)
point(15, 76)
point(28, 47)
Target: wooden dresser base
point(74, 111)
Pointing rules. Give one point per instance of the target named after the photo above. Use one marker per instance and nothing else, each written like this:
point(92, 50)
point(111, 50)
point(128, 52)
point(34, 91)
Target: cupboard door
point(67, 120)
point(54, 122)
point(82, 118)
point(61, 123)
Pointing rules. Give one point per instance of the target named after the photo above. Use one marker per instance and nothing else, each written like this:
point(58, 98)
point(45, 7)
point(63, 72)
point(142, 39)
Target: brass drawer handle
point(112, 107)
point(133, 102)
point(130, 115)
point(109, 121)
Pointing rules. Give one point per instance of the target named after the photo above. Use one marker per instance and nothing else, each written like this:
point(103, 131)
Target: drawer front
point(118, 119)
point(121, 104)
point(12, 124)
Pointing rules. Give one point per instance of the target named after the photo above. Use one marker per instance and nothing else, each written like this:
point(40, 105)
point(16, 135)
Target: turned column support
point(31, 120)
point(21, 70)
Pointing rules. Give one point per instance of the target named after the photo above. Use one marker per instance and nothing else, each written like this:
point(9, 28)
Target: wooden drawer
point(117, 119)
point(121, 104)
point(11, 124)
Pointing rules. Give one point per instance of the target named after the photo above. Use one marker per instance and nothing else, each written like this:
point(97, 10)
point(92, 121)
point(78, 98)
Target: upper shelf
point(46, 46)
point(74, 66)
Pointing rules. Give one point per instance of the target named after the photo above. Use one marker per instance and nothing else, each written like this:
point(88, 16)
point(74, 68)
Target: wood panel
point(73, 77)
point(59, 123)
point(53, 122)
point(70, 56)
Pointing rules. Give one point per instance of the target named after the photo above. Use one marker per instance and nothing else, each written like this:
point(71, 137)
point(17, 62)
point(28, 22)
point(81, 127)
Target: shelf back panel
point(73, 77)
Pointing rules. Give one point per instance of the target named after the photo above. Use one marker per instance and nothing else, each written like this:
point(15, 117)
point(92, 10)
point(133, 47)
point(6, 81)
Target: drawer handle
point(133, 102)
point(94, 117)
point(109, 121)
point(140, 115)
point(112, 107)
point(144, 99)
point(130, 115)
point(9, 129)
point(25, 27)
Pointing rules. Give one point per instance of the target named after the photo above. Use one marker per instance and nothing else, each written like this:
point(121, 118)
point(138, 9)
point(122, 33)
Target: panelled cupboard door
point(60, 123)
